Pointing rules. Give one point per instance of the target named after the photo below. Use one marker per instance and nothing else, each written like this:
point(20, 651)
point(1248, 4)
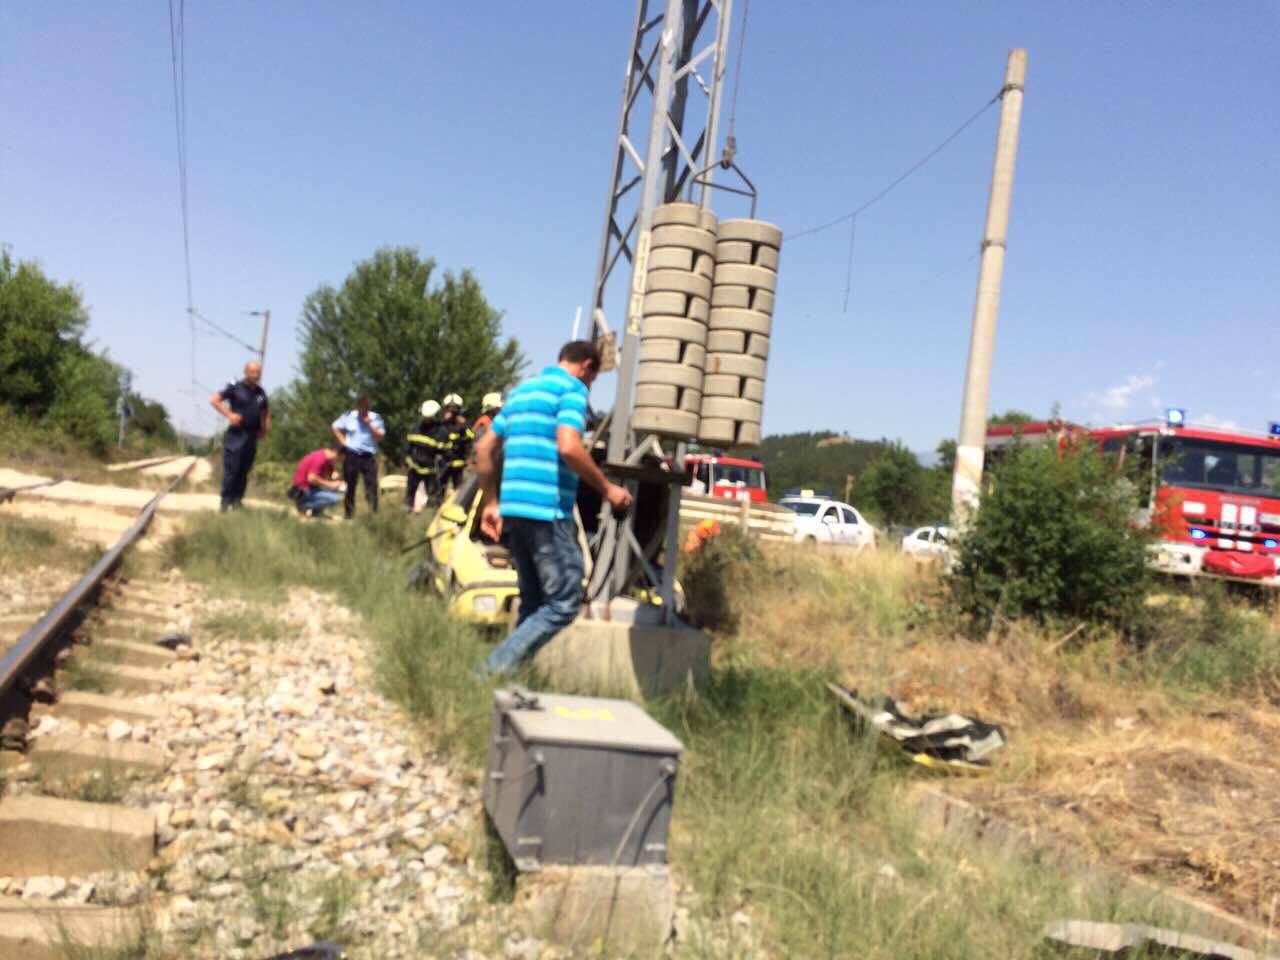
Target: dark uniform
point(429, 451)
point(460, 440)
point(240, 444)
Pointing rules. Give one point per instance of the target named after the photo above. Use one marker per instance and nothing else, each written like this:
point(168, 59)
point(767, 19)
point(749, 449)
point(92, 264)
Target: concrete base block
point(131, 652)
point(41, 930)
point(84, 707)
point(626, 659)
point(66, 754)
point(45, 836)
point(624, 911)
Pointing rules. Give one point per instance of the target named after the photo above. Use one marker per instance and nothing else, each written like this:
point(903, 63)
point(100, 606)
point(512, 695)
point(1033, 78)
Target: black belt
point(357, 453)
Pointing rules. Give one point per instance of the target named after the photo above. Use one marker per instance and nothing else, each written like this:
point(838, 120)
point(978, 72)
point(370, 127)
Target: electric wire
point(737, 70)
point(215, 328)
point(178, 64)
point(792, 237)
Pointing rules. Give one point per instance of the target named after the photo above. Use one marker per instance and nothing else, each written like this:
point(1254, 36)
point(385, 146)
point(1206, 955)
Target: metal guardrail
point(36, 641)
point(766, 519)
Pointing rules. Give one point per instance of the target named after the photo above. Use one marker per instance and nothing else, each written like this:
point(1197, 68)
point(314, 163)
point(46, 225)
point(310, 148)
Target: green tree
point(1053, 538)
point(895, 489)
point(48, 373)
point(819, 461)
point(150, 419)
point(1015, 418)
point(390, 333)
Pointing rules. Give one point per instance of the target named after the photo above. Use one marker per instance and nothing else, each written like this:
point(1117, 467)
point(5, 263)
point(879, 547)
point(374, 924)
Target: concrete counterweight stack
point(677, 303)
point(740, 321)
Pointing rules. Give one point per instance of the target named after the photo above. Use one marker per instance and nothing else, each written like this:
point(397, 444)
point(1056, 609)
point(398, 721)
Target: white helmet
point(452, 400)
point(430, 409)
point(491, 401)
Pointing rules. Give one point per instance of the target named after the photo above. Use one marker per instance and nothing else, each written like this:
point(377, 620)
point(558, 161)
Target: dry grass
point(1148, 762)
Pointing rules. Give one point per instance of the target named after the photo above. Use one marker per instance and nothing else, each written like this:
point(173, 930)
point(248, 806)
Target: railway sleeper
point(66, 755)
point(50, 836)
point(44, 930)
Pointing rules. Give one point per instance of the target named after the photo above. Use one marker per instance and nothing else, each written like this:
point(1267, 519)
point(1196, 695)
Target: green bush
point(1052, 539)
point(709, 573)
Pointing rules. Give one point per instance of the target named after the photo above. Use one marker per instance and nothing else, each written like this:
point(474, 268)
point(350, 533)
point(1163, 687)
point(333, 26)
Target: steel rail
point(8, 493)
point(37, 640)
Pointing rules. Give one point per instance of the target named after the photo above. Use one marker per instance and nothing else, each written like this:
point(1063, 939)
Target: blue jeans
point(549, 567)
point(316, 499)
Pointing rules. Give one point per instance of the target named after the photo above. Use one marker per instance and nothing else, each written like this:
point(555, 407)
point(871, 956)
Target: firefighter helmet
point(491, 401)
point(452, 400)
point(430, 409)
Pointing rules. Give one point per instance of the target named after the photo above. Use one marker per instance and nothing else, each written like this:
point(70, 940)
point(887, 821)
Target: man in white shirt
point(359, 431)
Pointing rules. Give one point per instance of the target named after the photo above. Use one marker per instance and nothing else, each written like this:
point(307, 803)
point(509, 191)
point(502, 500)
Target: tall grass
point(27, 542)
point(784, 810)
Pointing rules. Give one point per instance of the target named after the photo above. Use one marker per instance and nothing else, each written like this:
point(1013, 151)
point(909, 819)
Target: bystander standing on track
point(244, 404)
point(314, 486)
point(539, 432)
point(360, 431)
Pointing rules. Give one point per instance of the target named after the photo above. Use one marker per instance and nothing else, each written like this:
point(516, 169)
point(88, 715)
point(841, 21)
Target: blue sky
point(1143, 250)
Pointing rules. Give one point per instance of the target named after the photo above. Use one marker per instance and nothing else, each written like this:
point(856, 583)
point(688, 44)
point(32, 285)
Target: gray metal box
point(579, 780)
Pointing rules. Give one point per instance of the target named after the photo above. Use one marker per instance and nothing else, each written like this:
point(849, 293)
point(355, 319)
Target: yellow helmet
point(452, 400)
point(491, 401)
point(430, 409)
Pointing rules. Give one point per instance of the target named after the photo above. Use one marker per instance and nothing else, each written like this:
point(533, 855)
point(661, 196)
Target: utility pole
point(966, 483)
point(126, 384)
point(262, 344)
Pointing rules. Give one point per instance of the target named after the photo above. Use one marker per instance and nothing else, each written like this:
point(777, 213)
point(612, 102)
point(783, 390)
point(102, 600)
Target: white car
point(928, 542)
point(819, 520)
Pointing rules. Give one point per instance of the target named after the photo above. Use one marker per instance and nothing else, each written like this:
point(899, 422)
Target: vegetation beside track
point(793, 829)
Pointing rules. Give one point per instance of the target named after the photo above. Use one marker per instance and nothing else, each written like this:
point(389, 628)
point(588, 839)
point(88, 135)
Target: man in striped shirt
point(539, 433)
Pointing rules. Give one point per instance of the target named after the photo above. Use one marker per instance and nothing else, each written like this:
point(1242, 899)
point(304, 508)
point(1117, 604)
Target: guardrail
point(769, 520)
point(38, 640)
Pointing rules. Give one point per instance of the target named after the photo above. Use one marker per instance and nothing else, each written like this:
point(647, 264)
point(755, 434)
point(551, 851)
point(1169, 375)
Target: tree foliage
point(390, 333)
point(48, 372)
point(1052, 539)
point(820, 461)
point(896, 489)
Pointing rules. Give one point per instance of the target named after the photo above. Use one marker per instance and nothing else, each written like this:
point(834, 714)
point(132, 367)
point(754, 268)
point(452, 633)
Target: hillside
point(821, 460)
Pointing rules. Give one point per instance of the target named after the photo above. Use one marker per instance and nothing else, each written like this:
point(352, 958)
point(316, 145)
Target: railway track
point(103, 633)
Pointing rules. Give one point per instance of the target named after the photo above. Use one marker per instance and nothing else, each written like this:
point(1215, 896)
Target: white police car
point(823, 520)
point(928, 542)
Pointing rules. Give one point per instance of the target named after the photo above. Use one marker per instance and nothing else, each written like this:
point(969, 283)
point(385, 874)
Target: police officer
point(460, 440)
point(244, 404)
point(428, 449)
point(359, 431)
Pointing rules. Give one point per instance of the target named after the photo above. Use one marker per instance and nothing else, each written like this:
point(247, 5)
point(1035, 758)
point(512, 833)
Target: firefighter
point(490, 407)
point(428, 449)
point(460, 440)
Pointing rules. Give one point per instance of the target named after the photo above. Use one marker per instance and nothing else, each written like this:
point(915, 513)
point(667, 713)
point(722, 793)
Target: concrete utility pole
point(262, 344)
point(966, 483)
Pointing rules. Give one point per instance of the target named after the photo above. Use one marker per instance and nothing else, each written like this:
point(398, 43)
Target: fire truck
point(1211, 494)
point(730, 478)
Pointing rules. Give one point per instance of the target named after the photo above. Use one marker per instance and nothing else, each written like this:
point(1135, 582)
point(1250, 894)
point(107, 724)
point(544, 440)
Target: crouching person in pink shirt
point(314, 486)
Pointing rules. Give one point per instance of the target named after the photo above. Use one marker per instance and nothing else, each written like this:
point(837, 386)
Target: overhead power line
point(222, 331)
point(898, 180)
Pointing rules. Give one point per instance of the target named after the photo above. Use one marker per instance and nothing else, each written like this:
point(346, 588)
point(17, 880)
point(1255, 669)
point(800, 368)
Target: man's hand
point(235, 419)
point(618, 497)
point(491, 521)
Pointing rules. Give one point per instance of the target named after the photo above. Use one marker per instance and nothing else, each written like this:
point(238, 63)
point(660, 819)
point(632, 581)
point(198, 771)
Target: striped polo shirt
point(536, 484)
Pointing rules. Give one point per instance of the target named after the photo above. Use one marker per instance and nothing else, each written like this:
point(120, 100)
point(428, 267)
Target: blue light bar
point(1270, 544)
point(1199, 535)
point(1175, 416)
point(1273, 428)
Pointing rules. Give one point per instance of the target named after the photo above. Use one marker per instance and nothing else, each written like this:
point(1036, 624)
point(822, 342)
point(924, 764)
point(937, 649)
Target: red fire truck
point(1211, 494)
point(730, 478)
